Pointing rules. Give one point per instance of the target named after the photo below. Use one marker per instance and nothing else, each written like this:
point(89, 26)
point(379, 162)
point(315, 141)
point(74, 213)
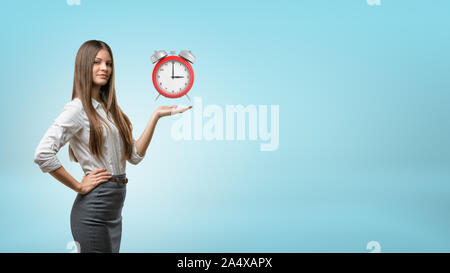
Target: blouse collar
point(95, 103)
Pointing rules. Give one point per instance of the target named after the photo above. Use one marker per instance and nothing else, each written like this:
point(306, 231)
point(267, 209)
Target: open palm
point(162, 111)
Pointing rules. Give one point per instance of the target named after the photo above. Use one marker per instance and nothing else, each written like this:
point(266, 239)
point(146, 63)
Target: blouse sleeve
point(63, 128)
point(135, 157)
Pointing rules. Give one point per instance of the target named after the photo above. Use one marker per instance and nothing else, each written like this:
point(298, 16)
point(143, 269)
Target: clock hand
point(172, 70)
point(177, 77)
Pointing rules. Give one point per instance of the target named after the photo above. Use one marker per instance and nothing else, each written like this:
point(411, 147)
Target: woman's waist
point(116, 181)
point(115, 178)
point(119, 178)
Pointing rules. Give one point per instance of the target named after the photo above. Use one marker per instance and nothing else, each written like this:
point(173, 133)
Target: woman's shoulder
point(75, 104)
point(74, 108)
point(73, 111)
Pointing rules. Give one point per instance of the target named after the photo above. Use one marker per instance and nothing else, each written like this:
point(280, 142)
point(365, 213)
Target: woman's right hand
point(93, 179)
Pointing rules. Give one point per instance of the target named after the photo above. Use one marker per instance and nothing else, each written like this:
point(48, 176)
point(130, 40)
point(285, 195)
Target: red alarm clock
point(173, 76)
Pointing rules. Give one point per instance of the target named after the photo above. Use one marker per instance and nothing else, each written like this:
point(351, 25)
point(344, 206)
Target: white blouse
point(73, 125)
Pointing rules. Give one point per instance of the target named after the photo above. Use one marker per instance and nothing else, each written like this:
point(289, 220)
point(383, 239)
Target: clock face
point(173, 77)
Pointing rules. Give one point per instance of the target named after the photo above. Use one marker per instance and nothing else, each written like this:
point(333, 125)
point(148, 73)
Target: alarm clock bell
point(158, 55)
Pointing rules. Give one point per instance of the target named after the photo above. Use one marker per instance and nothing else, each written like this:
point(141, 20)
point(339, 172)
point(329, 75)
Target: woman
point(100, 139)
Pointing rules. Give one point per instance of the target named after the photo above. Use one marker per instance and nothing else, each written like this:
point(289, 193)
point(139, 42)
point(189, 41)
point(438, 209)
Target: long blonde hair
point(82, 89)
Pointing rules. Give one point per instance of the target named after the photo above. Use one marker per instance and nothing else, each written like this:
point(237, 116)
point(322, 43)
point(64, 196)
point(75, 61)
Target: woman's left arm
point(162, 111)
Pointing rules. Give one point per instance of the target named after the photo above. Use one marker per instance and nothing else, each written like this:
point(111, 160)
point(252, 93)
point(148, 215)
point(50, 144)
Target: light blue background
point(364, 108)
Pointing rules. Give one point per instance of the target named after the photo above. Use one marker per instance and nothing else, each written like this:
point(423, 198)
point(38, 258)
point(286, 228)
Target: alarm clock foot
point(157, 97)
point(188, 98)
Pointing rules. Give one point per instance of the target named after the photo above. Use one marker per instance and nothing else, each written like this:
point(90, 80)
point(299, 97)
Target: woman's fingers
point(98, 170)
point(102, 179)
point(181, 110)
point(172, 110)
point(106, 176)
point(102, 172)
point(102, 175)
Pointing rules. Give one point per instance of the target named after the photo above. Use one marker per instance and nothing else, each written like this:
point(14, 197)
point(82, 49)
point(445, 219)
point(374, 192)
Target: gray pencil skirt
point(96, 218)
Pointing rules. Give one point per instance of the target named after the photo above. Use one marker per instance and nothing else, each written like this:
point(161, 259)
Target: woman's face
point(102, 68)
